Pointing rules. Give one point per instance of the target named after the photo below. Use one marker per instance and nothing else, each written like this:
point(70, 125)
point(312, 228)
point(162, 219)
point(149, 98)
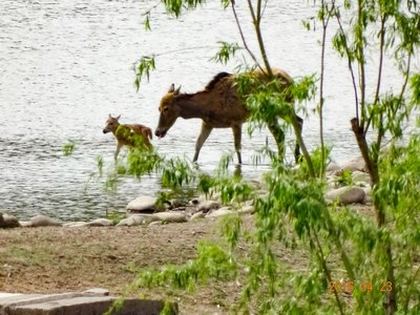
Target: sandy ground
point(55, 259)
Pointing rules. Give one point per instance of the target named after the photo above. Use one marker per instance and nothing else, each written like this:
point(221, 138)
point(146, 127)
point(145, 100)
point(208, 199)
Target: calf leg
point(237, 134)
point(117, 151)
point(204, 134)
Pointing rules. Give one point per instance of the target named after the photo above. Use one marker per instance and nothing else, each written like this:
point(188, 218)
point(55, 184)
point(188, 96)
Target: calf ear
point(109, 116)
point(172, 88)
point(177, 90)
point(118, 117)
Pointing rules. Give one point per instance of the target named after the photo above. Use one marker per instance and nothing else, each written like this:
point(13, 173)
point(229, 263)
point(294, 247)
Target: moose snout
point(105, 131)
point(160, 133)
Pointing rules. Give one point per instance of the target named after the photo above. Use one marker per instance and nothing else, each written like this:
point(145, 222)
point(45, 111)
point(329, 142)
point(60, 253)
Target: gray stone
point(75, 224)
point(356, 164)
point(86, 303)
point(208, 205)
point(368, 195)
point(138, 219)
point(332, 167)
point(220, 212)
point(142, 203)
point(42, 220)
point(197, 215)
point(8, 221)
point(25, 223)
point(171, 216)
point(361, 177)
point(346, 195)
point(100, 222)
point(247, 210)
point(155, 223)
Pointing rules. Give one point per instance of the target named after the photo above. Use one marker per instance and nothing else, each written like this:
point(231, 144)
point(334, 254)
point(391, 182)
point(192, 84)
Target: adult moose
point(219, 105)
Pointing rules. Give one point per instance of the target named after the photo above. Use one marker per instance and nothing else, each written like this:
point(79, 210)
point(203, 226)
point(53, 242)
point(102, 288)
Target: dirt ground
point(56, 259)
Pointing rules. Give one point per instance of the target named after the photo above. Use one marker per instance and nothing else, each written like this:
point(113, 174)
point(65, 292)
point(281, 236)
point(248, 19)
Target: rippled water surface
point(65, 65)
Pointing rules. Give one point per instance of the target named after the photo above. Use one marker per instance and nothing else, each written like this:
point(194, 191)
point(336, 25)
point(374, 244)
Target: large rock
point(197, 215)
point(361, 178)
point(356, 164)
point(142, 203)
point(8, 221)
point(171, 216)
point(76, 224)
point(138, 219)
point(100, 222)
point(43, 220)
point(220, 212)
point(247, 210)
point(346, 195)
point(208, 205)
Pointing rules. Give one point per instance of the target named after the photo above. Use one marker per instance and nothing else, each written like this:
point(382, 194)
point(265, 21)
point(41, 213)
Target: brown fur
point(123, 133)
point(218, 105)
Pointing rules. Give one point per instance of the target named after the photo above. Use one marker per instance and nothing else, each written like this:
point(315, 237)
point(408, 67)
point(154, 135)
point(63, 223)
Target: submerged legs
point(204, 134)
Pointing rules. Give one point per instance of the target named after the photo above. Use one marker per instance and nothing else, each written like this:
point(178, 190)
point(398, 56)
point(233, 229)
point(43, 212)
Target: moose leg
point(279, 137)
point(237, 134)
point(204, 134)
point(297, 147)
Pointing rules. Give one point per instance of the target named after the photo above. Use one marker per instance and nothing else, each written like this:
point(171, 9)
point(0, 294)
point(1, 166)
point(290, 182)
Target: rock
point(8, 221)
point(43, 220)
point(142, 203)
point(75, 224)
point(155, 223)
point(100, 222)
point(25, 223)
point(346, 195)
point(138, 219)
point(361, 178)
point(357, 164)
point(247, 210)
point(171, 216)
point(97, 291)
point(197, 215)
point(332, 167)
point(368, 195)
point(208, 205)
point(220, 212)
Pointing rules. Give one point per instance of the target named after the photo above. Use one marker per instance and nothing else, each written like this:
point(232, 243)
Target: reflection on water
point(65, 65)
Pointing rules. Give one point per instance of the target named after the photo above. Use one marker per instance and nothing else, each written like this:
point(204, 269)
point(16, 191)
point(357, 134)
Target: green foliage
point(211, 262)
point(115, 216)
point(344, 178)
point(227, 51)
point(143, 68)
point(68, 148)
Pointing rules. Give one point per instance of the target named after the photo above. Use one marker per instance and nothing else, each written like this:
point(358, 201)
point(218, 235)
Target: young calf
point(133, 135)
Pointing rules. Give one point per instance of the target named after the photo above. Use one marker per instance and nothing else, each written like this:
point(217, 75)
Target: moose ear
point(118, 117)
point(177, 90)
point(172, 88)
point(109, 115)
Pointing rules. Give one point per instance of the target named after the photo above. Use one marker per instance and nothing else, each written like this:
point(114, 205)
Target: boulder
point(75, 224)
point(332, 167)
point(8, 221)
point(138, 219)
point(346, 195)
point(171, 216)
point(356, 164)
point(247, 210)
point(208, 205)
point(361, 178)
point(197, 215)
point(100, 222)
point(43, 220)
point(220, 212)
point(142, 203)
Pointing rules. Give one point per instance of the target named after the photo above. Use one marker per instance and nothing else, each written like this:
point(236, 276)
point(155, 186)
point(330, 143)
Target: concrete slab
point(91, 302)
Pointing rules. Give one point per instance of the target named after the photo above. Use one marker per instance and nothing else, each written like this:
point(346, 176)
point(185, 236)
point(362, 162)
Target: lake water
point(65, 65)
